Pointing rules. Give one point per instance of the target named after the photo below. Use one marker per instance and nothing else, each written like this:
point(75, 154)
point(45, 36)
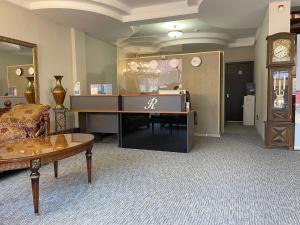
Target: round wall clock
point(31, 71)
point(196, 61)
point(281, 50)
point(153, 64)
point(19, 71)
point(174, 63)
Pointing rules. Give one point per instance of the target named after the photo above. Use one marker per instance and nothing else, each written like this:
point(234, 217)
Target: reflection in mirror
point(17, 63)
point(150, 75)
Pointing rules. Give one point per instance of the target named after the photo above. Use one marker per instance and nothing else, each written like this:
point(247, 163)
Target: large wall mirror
point(18, 68)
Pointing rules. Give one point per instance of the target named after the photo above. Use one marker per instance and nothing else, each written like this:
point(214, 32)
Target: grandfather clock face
point(281, 50)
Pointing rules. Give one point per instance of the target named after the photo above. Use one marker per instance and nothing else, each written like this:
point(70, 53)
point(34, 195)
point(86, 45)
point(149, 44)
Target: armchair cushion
point(11, 133)
point(24, 116)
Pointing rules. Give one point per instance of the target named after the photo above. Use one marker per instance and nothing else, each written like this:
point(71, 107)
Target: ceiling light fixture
point(175, 33)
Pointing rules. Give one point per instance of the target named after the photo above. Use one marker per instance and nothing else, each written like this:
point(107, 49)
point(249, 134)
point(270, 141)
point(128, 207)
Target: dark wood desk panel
point(97, 113)
point(155, 131)
point(99, 122)
point(91, 102)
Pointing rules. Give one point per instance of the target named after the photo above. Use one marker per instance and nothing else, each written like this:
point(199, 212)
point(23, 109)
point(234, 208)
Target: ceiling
point(143, 3)
point(141, 26)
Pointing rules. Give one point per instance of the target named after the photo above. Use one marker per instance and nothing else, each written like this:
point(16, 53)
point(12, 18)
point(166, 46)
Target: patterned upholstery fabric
point(24, 116)
point(11, 133)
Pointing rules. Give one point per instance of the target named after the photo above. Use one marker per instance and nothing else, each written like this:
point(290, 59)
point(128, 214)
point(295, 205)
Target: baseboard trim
point(77, 130)
point(207, 135)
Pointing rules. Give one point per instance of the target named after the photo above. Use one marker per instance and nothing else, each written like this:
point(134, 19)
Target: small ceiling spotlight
point(175, 33)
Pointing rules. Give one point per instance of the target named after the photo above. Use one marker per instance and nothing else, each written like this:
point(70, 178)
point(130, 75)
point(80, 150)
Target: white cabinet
point(249, 110)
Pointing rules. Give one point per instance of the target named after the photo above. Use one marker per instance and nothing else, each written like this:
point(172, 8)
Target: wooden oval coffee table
point(33, 153)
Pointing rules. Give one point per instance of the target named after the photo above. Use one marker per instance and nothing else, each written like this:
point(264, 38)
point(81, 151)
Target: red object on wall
point(298, 97)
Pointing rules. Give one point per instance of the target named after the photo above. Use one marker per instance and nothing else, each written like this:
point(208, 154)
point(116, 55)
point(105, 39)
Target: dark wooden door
point(237, 75)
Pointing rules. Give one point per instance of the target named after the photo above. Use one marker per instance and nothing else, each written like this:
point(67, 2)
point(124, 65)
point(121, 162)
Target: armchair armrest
point(44, 126)
point(7, 107)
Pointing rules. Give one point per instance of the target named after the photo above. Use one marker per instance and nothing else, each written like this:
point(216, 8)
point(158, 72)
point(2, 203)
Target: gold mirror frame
point(34, 61)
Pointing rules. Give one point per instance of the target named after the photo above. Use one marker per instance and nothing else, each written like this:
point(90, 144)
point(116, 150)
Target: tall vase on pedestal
point(29, 91)
point(59, 93)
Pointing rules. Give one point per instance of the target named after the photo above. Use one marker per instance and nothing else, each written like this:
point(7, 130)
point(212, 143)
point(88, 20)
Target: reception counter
point(155, 122)
point(97, 114)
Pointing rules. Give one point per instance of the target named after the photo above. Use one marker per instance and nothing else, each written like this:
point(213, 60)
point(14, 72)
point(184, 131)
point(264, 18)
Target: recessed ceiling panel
point(233, 13)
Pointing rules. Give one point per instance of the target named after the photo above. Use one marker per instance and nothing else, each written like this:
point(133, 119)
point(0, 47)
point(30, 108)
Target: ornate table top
point(27, 149)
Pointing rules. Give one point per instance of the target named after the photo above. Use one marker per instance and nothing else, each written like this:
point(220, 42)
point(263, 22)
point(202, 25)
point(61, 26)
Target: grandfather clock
point(281, 69)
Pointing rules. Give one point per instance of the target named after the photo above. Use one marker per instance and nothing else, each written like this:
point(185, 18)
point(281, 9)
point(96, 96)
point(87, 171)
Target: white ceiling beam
point(158, 39)
point(193, 41)
point(117, 9)
point(115, 4)
point(23, 3)
point(84, 6)
point(160, 11)
point(194, 2)
point(242, 42)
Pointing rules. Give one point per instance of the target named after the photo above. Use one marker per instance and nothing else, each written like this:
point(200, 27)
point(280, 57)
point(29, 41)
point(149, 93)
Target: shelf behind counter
point(152, 121)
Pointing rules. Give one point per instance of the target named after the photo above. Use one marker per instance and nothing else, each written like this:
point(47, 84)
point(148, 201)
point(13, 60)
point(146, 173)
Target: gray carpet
point(228, 181)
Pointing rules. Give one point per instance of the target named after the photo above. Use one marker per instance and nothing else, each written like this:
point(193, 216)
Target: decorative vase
point(29, 91)
point(59, 93)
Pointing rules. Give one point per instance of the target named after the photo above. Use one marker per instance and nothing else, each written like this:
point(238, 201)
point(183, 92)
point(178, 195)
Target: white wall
point(261, 75)
point(101, 63)
point(54, 47)
point(273, 22)
point(239, 54)
point(279, 21)
point(78, 40)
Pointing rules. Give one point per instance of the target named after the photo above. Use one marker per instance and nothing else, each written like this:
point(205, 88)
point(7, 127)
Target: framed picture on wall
point(94, 89)
point(101, 89)
point(12, 91)
point(104, 89)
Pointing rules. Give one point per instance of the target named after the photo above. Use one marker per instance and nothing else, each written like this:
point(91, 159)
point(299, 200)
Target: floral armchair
point(23, 121)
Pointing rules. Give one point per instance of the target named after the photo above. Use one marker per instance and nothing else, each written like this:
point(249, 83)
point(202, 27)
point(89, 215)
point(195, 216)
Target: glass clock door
point(280, 89)
point(280, 94)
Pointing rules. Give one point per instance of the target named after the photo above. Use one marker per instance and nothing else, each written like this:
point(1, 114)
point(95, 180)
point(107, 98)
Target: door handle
point(227, 95)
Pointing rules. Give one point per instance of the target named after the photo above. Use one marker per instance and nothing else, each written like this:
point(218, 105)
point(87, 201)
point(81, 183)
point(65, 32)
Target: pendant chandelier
point(175, 33)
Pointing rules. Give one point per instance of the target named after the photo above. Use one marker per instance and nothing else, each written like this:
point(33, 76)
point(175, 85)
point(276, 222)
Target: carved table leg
point(55, 168)
point(88, 155)
point(35, 164)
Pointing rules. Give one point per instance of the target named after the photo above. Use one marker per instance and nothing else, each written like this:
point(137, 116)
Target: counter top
point(150, 94)
point(95, 110)
point(94, 95)
point(127, 95)
point(158, 112)
point(128, 111)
